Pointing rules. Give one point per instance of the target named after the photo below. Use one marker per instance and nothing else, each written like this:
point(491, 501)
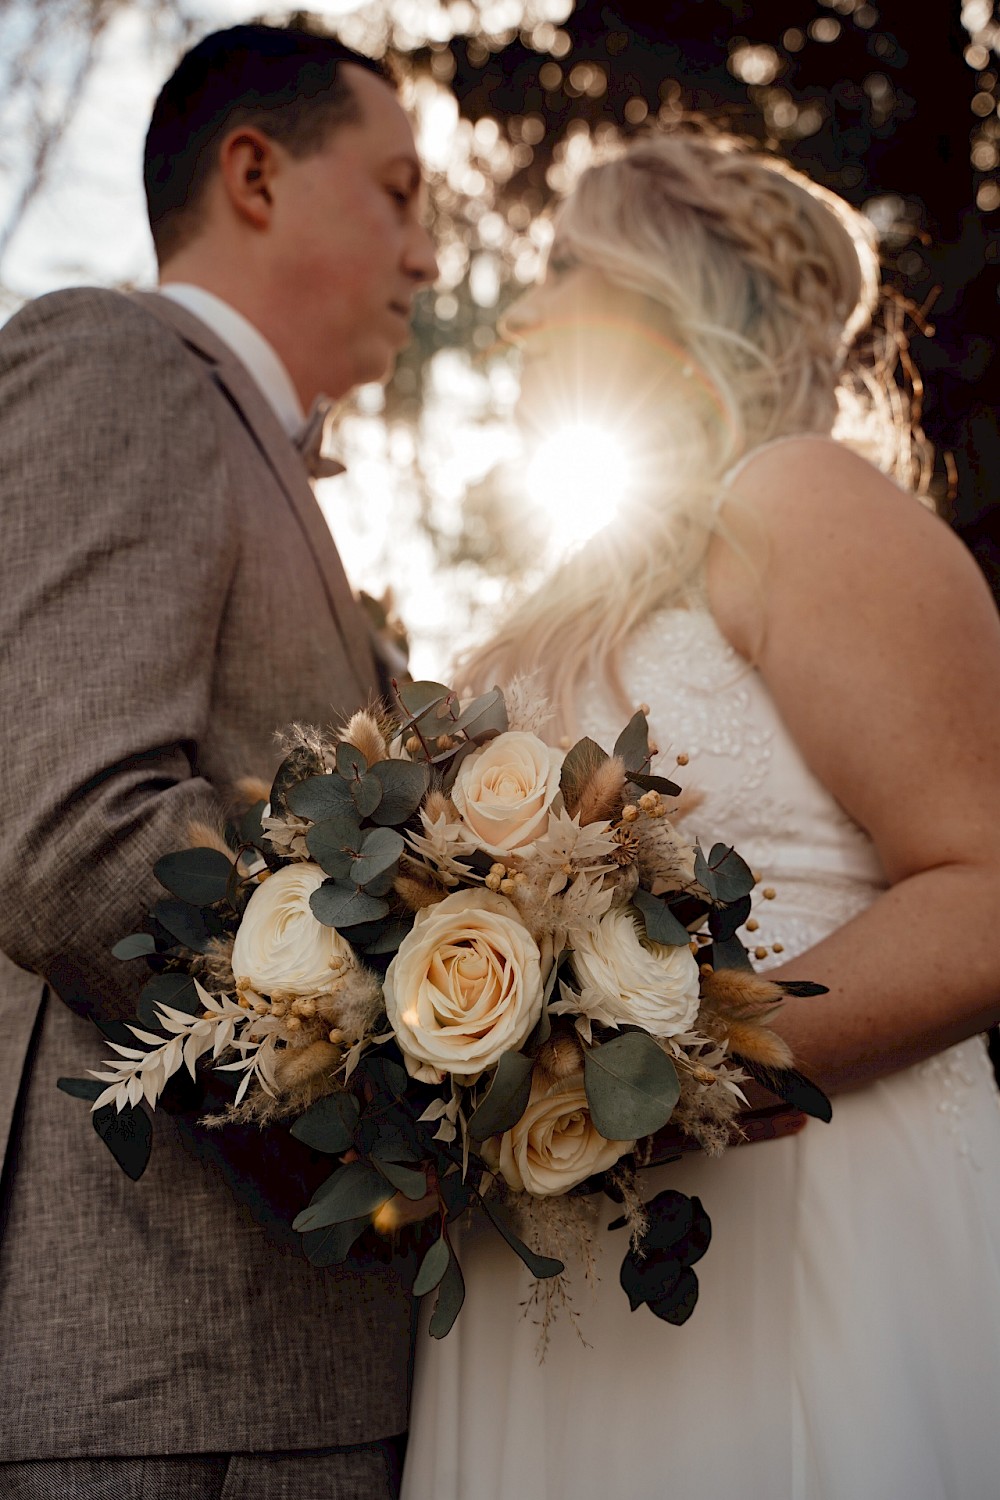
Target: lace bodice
point(756, 790)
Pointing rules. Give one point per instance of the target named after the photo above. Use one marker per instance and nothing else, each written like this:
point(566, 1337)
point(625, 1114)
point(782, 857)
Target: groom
point(169, 595)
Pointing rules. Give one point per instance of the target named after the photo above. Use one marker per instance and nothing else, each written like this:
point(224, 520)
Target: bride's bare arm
point(880, 643)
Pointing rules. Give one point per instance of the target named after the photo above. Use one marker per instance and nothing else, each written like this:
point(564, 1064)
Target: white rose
point(630, 980)
point(555, 1144)
point(281, 948)
point(465, 986)
point(504, 791)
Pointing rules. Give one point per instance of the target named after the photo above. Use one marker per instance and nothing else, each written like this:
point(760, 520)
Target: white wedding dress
point(846, 1344)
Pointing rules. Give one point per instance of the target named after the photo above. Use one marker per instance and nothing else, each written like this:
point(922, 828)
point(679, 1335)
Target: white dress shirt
point(250, 347)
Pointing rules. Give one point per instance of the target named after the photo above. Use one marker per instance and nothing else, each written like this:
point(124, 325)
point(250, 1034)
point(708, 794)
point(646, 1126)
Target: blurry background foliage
point(893, 106)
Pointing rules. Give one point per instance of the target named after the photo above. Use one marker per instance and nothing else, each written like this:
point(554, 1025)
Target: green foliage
point(344, 906)
point(379, 855)
point(631, 1085)
point(320, 797)
point(483, 717)
point(404, 785)
point(128, 1135)
point(633, 743)
point(541, 1266)
point(661, 924)
point(349, 1193)
point(136, 945)
point(648, 783)
point(451, 1295)
point(506, 1099)
point(192, 927)
point(200, 876)
point(432, 1267)
point(334, 843)
point(658, 1272)
point(579, 765)
point(81, 1088)
point(328, 1125)
point(175, 990)
point(331, 1245)
point(724, 875)
point(411, 1184)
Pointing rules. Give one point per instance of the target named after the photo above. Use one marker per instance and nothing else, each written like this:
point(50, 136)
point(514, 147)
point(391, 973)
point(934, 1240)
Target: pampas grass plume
point(603, 793)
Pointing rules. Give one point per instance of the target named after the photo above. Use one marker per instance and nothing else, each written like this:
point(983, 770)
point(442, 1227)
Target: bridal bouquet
point(475, 970)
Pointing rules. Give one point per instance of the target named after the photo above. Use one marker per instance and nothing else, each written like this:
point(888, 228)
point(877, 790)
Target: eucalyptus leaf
point(331, 1245)
point(419, 698)
point(661, 924)
point(200, 875)
point(578, 767)
point(250, 826)
point(136, 945)
point(541, 1266)
point(405, 1180)
point(724, 875)
point(390, 937)
point(343, 906)
point(457, 1195)
point(631, 1085)
point(349, 1193)
point(191, 927)
point(328, 1125)
point(82, 1088)
point(367, 794)
point(351, 763)
point(320, 797)
point(724, 921)
point(128, 1135)
point(176, 990)
point(729, 953)
point(298, 766)
point(380, 853)
point(679, 1302)
point(451, 1295)
point(633, 743)
point(432, 1267)
point(732, 875)
point(649, 783)
point(387, 1076)
point(483, 718)
point(507, 1098)
point(404, 785)
point(334, 842)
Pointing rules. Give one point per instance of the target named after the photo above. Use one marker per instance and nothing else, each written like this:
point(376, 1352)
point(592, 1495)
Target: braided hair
point(765, 282)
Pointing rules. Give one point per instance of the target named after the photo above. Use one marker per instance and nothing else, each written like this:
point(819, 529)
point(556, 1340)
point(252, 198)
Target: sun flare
point(578, 476)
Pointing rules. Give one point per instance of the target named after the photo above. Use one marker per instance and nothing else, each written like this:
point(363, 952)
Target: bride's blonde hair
point(762, 282)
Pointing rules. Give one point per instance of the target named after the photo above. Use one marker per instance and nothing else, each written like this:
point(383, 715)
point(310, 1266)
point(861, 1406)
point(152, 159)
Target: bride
point(824, 652)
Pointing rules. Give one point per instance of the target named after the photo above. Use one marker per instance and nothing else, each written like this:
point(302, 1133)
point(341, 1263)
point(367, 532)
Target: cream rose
point(555, 1144)
point(280, 948)
point(628, 979)
point(504, 791)
point(465, 986)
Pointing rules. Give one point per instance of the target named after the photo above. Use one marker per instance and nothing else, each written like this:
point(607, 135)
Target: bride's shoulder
point(807, 524)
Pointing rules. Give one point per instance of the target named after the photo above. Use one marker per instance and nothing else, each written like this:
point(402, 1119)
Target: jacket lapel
point(255, 411)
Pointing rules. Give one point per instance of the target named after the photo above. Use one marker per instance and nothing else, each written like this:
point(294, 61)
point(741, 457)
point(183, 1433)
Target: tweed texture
point(352, 1474)
point(169, 594)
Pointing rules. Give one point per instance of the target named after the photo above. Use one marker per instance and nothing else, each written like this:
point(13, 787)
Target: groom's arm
point(118, 550)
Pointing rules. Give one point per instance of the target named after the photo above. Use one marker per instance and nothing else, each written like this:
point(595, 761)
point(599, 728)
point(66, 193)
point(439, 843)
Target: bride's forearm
point(916, 972)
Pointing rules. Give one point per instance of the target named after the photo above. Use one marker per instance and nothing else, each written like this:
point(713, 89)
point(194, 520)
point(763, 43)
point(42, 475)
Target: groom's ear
point(246, 166)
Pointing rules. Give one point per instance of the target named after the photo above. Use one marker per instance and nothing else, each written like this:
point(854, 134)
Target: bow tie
point(309, 442)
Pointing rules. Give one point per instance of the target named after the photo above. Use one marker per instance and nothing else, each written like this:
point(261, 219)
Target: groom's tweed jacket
point(169, 595)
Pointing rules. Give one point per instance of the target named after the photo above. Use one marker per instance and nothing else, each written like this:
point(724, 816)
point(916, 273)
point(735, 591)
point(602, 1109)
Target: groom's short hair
point(287, 81)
